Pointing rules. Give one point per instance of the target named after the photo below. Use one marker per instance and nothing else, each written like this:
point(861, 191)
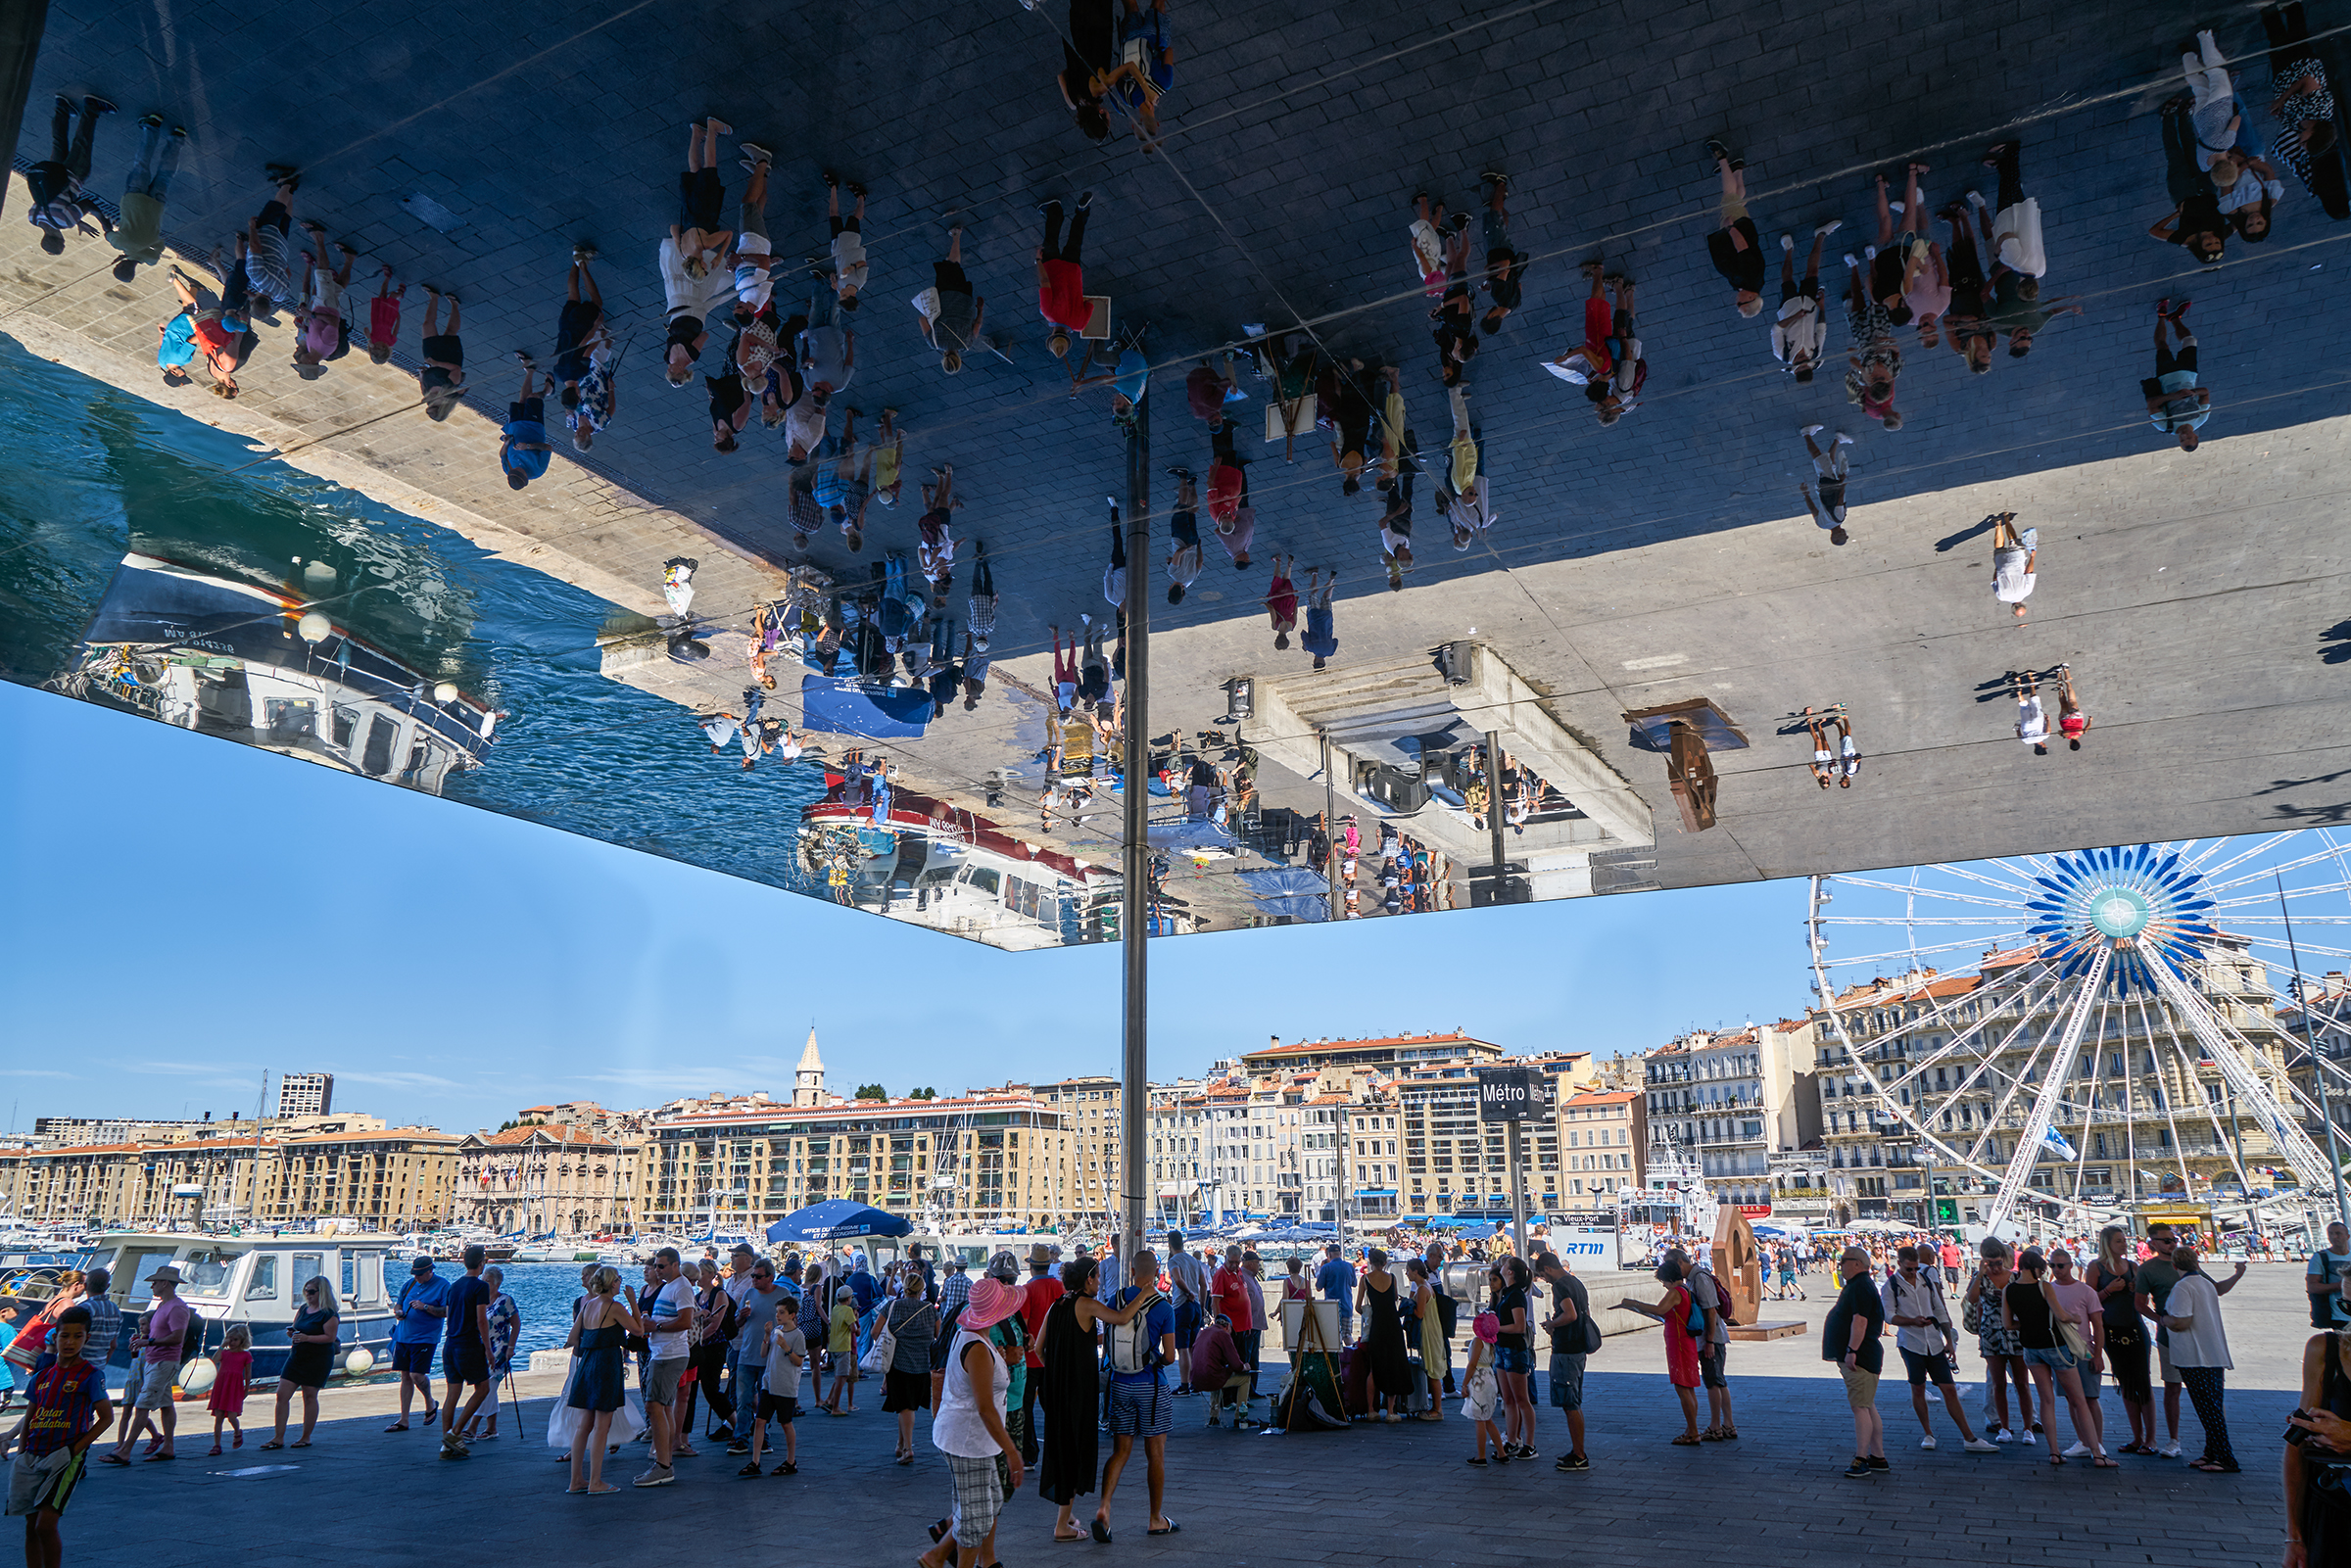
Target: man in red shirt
point(1230, 1288)
point(1044, 1289)
point(1060, 284)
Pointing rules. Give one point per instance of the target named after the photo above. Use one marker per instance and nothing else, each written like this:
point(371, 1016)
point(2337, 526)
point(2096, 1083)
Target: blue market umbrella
point(835, 1219)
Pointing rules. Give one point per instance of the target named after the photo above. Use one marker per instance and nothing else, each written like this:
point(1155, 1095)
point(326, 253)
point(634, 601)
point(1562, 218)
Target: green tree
point(922, 1094)
point(871, 1091)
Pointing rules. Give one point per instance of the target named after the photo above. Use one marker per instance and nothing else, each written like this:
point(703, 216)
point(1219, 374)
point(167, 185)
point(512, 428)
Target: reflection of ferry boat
point(219, 655)
point(257, 1280)
point(936, 865)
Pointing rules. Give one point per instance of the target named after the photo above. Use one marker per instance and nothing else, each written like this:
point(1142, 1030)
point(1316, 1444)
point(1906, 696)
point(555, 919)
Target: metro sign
point(1507, 1094)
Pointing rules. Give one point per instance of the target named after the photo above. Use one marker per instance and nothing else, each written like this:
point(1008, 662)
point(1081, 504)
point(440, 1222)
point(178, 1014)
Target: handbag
point(2075, 1336)
point(1971, 1316)
point(881, 1350)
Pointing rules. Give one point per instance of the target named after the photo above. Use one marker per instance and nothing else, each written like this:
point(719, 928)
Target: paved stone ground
point(1284, 192)
point(1376, 1493)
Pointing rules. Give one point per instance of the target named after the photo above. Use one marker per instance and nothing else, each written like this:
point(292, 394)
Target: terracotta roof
point(1597, 1097)
point(562, 1134)
point(1308, 1047)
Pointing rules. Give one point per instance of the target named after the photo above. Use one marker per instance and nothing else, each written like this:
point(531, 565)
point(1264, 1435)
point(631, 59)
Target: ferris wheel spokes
point(2019, 1173)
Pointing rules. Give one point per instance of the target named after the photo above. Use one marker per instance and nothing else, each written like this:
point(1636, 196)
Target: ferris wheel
point(2103, 1010)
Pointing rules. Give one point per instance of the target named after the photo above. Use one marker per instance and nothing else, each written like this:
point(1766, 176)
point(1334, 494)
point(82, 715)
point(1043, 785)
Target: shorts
point(2057, 1358)
point(1187, 1325)
point(1508, 1359)
point(44, 1484)
point(948, 277)
point(749, 219)
point(1733, 209)
point(446, 347)
point(1860, 1388)
point(417, 1359)
point(702, 198)
point(466, 1363)
point(1806, 288)
point(661, 1379)
point(531, 411)
point(2090, 1381)
point(1926, 1369)
point(1141, 1409)
point(778, 1407)
point(976, 1493)
point(2163, 1362)
point(134, 1378)
point(155, 1392)
point(1567, 1380)
point(1709, 1365)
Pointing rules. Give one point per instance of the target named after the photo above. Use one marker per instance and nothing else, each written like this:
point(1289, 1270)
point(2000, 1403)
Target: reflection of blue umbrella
point(1273, 880)
point(1301, 906)
point(1193, 835)
point(837, 1219)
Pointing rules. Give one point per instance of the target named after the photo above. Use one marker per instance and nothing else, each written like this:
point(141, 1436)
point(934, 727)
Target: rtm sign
point(1509, 1094)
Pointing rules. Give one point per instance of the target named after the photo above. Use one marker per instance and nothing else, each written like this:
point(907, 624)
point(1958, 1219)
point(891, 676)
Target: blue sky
point(185, 913)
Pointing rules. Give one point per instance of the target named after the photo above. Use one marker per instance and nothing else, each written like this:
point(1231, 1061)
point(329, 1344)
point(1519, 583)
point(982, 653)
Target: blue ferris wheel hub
point(2140, 902)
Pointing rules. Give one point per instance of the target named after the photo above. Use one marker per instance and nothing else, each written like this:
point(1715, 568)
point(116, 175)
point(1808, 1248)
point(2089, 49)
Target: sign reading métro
point(1507, 1094)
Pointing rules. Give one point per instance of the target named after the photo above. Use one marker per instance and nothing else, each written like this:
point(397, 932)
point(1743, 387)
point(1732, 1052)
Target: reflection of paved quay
point(1243, 1498)
point(1658, 562)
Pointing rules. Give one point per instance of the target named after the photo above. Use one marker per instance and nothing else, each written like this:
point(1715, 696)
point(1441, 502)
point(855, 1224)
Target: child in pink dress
point(383, 318)
point(227, 1401)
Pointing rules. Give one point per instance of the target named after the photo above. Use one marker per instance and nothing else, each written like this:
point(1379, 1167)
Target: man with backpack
point(1713, 1349)
point(2323, 1280)
point(1139, 1405)
point(1190, 1282)
point(1575, 1334)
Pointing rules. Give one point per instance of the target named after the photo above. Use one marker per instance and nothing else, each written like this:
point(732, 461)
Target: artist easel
point(1312, 1342)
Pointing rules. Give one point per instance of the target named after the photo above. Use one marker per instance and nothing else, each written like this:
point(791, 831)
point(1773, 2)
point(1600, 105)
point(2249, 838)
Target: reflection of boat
point(215, 654)
point(935, 864)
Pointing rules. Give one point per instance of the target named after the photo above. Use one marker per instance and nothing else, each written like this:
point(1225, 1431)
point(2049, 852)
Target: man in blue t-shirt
point(522, 450)
point(422, 1305)
point(1139, 1404)
point(1335, 1279)
point(469, 1354)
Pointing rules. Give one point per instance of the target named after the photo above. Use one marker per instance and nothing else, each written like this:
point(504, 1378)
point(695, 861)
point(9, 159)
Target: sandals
point(1712, 1434)
point(1686, 1441)
point(273, 1442)
point(2102, 1462)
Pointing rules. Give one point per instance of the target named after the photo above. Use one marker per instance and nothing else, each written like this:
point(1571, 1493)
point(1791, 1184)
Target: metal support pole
point(1339, 1209)
point(1494, 815)
point(1134, 919)
point(1517, 1187)
point(21, 27)
point(2317, 1069)
point(1330, 831)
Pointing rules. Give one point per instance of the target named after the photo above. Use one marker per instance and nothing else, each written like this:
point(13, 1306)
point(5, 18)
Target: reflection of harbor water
point(577, 751)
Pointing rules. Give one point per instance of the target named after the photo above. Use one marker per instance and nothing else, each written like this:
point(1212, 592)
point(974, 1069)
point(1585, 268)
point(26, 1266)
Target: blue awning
point(1376, 1192)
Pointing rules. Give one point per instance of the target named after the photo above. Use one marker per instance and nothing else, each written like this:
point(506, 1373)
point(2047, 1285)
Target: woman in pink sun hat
point(969, 1427)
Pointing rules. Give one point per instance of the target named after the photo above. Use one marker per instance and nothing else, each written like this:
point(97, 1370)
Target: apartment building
point(1731, 1100)
point(385, 1178)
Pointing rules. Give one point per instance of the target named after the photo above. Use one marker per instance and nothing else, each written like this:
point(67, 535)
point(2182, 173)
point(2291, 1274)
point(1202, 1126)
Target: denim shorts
point(1507, 1359)
point(2057, 1358)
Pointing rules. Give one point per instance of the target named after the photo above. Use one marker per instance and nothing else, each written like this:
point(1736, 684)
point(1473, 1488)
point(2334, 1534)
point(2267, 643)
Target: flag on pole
point(2056, 1141)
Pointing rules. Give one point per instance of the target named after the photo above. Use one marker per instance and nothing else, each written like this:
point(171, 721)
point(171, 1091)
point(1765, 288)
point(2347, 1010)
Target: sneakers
point(2169, 1450)
point(2080, 1450)
point(1858, 1469)
point(660, 1475)
point(1572, 1461)
point(1880, 1465)
point(1812, 430)
point(1787, 242)
point(1927, 1442)
point(1979, 1446)
point(1830, 228)
point(737, 1449)
point(2027, 1439)
point(2003, 1436)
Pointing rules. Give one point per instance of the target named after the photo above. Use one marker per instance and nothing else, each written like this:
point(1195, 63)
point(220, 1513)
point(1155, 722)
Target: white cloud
point(31, 1072)
point(397, 1081)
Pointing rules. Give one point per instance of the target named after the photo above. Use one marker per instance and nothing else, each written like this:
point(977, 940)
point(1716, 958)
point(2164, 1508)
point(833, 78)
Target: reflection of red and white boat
point(934, 864)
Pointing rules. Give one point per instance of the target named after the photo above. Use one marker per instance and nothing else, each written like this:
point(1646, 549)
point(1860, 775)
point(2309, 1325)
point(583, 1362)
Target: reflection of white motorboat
point(935, 864)
point(219, 655)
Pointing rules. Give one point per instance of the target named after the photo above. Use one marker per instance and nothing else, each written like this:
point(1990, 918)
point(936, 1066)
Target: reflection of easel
point(1689, 732)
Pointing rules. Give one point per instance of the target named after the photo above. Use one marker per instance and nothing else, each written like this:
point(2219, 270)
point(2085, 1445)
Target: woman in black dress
point(906, 1386)
point(1069, 1390)
point(311, 1360)
point(1383, 1333)
point(597, 1333)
